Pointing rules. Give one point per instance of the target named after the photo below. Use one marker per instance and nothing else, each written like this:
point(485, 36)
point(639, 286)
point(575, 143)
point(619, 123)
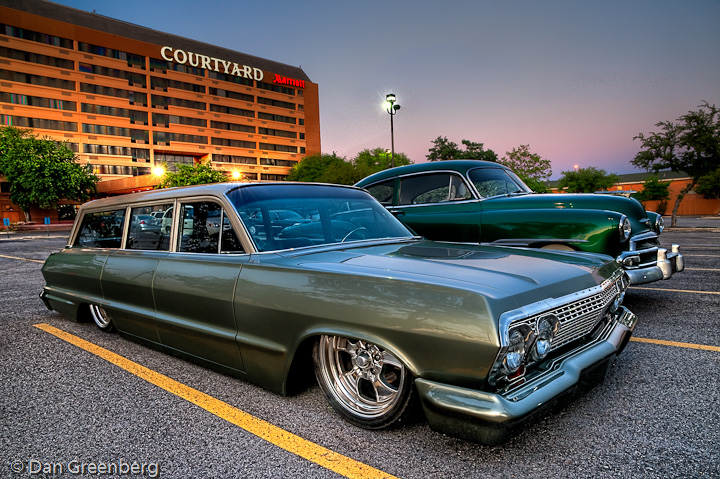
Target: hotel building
point(126, 98)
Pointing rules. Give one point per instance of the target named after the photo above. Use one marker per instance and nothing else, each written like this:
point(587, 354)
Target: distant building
point(127, 98)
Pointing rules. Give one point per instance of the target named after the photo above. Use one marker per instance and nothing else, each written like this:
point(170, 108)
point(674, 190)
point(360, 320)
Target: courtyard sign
point(210, 63)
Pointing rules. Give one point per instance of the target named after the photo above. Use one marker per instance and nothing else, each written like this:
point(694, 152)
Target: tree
point(691, 144)
point(323, 168)
point(586, 180)
point(444, 149)
point(368, 161)
point(709, 185)
point(187, 175)
point(41, 171)
point(654, 189)
point(530, 167)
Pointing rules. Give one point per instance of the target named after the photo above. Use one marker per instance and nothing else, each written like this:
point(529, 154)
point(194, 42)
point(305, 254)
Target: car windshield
point(496, 182)
point(281, 217)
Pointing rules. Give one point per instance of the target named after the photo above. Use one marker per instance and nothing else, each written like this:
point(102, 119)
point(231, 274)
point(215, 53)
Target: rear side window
point(383, 192)
point(101, 229)
point(432, 188)
point(145, 231)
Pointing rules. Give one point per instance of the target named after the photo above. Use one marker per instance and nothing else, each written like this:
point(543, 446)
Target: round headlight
point(659, 225)
point(546, 329)
point(515, 352)
point(624, 227)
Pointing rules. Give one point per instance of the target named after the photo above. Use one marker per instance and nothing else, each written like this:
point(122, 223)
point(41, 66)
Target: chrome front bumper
point(666, 263)
point(490, 418)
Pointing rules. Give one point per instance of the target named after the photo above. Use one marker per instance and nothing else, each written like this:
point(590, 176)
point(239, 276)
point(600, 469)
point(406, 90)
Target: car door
point(439, 206)
point(128, 276)
point(195, 283)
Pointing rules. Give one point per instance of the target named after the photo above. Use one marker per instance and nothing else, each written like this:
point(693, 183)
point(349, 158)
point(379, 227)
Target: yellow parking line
point(23, 259)
point(677, 344)
point(702, 269)
point(675, 290)
point(326, 458)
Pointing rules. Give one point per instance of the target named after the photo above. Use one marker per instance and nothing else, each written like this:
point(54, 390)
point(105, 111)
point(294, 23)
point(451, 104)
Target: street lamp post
point(392, 108)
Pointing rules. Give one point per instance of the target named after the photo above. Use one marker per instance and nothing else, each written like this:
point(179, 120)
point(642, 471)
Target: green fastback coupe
point(484, 202)
point(480, 336)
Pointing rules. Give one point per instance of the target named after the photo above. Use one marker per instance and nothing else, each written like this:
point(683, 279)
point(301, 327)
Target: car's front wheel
point(367, 385)
point(101, 318)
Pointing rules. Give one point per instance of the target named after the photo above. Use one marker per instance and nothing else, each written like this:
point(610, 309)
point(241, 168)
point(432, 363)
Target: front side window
point(205, 228)
point(145, 231)
point(102, 229)
point(496, 181)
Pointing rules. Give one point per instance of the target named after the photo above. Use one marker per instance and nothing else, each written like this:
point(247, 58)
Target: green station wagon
point(484, 202)
point(480, 336)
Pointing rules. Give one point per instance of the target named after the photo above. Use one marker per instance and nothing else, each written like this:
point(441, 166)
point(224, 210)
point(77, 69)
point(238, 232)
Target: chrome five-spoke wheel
point(101, 318)
point(367, 385)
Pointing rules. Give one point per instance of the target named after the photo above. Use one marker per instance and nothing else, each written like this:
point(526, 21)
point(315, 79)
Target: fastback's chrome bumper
point(665, 265)
point(490, 418)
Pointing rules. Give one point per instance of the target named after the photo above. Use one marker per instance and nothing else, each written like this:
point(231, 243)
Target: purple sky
point(577, 80)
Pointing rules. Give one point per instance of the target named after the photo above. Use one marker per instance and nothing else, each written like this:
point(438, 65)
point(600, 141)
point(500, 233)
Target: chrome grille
point(577, 318)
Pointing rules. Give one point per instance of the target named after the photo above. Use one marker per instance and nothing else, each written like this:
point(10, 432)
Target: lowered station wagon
point(480, 336)
point(485, 202)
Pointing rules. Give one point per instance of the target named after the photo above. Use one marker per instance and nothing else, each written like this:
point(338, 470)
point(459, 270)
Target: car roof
point(461, 166)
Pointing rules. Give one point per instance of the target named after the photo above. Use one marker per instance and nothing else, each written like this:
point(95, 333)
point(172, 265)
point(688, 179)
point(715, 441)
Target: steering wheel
point(359, 228)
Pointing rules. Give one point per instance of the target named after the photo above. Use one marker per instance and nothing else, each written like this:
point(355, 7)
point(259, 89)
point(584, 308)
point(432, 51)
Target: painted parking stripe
point(23, 259)
point(288, 441)
point(676, 344)
point(675, 290)
point(701, 269)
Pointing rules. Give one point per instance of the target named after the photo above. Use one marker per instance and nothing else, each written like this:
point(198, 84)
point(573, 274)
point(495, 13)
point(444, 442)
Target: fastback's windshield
point(279, 216)
point(497, 181)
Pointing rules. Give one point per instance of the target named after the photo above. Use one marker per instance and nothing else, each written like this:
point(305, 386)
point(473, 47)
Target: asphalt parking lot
point(69, 412)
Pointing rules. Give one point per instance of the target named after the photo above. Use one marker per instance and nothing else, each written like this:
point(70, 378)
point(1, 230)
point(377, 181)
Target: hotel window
point(244, 160)
point(277, 162)
point(134, 115)
point(41, 123)
point(235, 143)
point(132, 78)
point(277, 103)
point(271, 117)
point(165, 137)
point(273, 132)
point(171, 161)
point(157, 65)
point(232, 111)
point(131, 59)
point(276, 88)
point(16, 99)
point(270, 177)
point(230, 78)
point(29, 57)
point(34, 36)
point(220, 125)
point(166, 120)
point(231, 94)
point(285, 148)
point(37, 80)
point(164, 84)
point(158, 101)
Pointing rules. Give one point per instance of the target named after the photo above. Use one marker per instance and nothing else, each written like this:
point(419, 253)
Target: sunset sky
point(575, 80)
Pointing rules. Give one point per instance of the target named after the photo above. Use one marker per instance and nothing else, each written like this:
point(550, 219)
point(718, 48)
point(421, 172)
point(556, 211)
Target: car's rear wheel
point(101, 318)
point(367, 385)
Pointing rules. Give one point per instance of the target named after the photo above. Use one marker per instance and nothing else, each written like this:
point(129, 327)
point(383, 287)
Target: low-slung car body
point(480, 336)
point(485, 202)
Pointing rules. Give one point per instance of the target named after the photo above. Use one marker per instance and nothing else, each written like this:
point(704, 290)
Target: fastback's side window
point(204, 228)
point(383, 192)
point(145, 232)
point(102, 229)
point(432, 188)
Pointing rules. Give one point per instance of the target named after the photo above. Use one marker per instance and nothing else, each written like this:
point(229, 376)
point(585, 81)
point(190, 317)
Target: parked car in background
point(484, 202)
point(481, 336)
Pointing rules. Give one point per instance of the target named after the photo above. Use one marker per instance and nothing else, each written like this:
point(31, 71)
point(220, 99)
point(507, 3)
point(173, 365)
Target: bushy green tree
point(41, 171)
point(586, 180)
point(691, 144)
point(443, 149)
point(709, 185)
point(369, 161)
point(530, 167)
point(323, 168)
point(187, 175)
point(653, 189)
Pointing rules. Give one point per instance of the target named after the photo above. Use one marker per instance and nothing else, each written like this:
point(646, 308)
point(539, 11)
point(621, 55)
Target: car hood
point(627, 206)
point(496, 272)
